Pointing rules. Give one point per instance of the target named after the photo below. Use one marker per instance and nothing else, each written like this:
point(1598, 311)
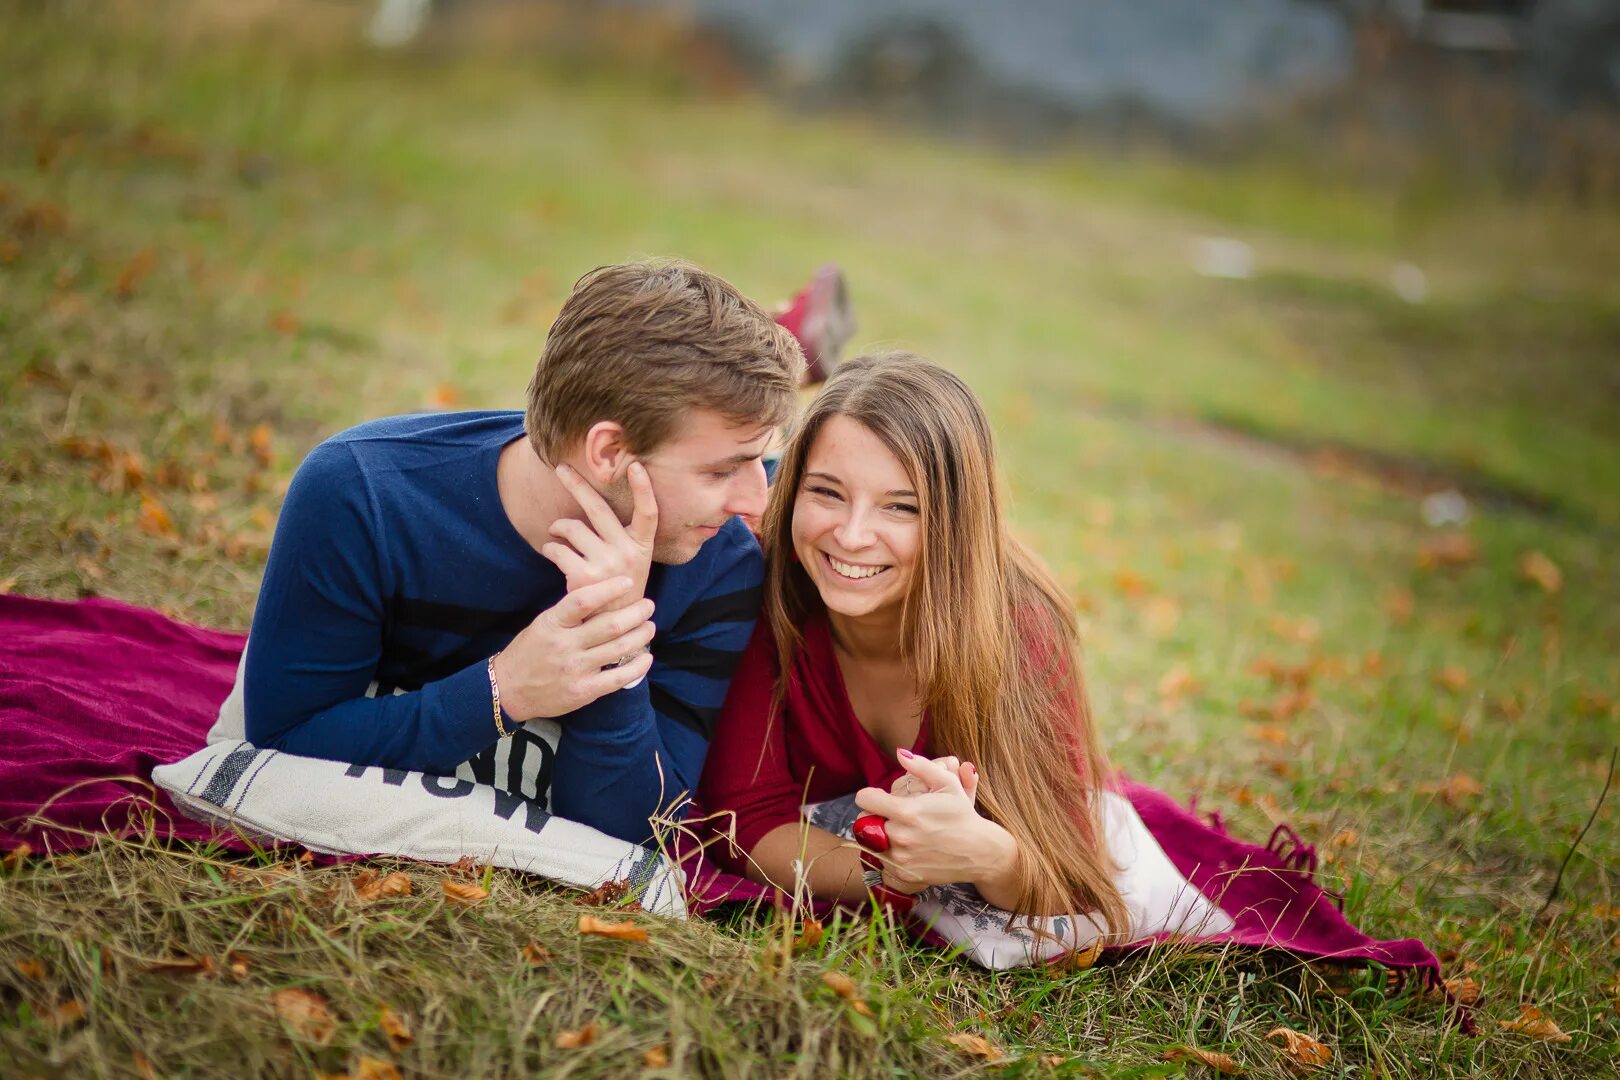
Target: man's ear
point(604, 453)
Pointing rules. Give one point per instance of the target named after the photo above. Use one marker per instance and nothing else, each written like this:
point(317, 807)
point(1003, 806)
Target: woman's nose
point(854, 532)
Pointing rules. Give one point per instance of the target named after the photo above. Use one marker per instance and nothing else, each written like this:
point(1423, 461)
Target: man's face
point(706, 473)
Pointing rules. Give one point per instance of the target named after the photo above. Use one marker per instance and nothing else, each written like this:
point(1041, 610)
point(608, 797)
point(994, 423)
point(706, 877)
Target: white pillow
point(1159, 899)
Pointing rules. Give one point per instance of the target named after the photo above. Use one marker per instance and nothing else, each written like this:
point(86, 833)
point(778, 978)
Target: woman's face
point(856, 528)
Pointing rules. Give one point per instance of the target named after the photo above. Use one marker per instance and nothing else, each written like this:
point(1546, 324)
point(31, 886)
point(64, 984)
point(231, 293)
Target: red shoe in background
point(822, 318)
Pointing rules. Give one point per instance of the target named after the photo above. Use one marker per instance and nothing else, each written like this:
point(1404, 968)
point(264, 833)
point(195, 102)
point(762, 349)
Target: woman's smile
point(853, 572)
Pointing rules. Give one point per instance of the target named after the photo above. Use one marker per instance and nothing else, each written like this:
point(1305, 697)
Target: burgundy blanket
point(94, 693)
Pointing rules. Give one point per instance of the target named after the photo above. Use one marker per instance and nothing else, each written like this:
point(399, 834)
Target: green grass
point(334, 235)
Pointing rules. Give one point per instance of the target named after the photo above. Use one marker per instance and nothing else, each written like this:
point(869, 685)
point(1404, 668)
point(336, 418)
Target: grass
point(219, 247)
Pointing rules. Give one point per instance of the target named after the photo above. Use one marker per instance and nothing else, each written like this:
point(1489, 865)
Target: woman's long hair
point(987, 633)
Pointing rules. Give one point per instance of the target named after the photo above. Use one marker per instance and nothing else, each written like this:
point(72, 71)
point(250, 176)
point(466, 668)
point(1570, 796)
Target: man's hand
point(587, 554)
point(555, 664)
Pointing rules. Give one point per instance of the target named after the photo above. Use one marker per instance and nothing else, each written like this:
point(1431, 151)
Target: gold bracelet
point(495, 699)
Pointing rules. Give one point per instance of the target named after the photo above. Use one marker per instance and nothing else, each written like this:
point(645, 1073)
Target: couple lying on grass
point(438, 581)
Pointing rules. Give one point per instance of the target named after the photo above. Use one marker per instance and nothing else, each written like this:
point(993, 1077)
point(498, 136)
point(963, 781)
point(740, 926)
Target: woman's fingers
point(877, 801)
point(935, 775)
point(969, 776)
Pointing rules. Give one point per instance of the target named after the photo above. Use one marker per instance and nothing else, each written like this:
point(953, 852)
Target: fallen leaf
point(1304, 629)
point(64, 1014)
point(7, 584)
point(463, 893)
point(304, 1013)
point(154, 519)
point(1178, 683)
point(1533, 1022)
point(181, 965)
point(621, 931)
point(17, 856)
point(975, 1046)
point(285, 322)
point(135, 273)
point(1449, 551)
point(1464, 989)
point(840, 984)
point(1453, 678)
point(31, 968)
point(1269, 733)
point(1224, 1064)
point(370, 1068)
point(1536, 567)
point(237, 965)
point(142, 1066)
point(656, 1058)
point(261, 440)
point(1454, 789)
point(1302, 1052)
point(535, 954)
point(809, 937)
point(443, 396)
point(1081, 959)
point(398, 1032)
point(1344, 838)
point(368, 887)
point(605, 895)
point(576, 1038)
point(1131, 583)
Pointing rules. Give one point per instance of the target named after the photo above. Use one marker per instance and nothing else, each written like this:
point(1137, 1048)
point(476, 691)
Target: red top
point(765, 768)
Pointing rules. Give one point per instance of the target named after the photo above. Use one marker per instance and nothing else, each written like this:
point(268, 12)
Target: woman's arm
point(832, 866)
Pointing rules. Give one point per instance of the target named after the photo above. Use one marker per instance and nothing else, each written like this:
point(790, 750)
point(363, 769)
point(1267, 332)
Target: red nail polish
point(972, 768)
point(905, 753)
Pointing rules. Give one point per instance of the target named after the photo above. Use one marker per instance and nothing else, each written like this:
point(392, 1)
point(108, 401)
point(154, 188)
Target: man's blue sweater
point(395, 568)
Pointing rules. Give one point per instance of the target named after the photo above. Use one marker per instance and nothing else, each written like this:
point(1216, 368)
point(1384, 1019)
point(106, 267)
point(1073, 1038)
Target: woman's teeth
point(850, 570)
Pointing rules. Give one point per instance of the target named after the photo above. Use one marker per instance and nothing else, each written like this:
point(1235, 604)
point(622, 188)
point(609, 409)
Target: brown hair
point(987, 633)
point(640, 343)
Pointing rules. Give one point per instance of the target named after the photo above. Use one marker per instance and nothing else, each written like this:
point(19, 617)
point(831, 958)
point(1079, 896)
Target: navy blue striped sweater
point(394, 568)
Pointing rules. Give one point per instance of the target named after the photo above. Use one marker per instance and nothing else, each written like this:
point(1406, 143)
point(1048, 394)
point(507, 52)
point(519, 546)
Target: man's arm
point(632, 755)
point(317, 640)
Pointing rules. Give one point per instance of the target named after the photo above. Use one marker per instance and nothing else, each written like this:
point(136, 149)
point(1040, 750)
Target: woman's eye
point(725, 474)
point(826, 493)
point(903, 508)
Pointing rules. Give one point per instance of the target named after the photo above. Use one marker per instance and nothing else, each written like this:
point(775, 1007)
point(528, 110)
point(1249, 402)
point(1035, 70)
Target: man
point(438, 581)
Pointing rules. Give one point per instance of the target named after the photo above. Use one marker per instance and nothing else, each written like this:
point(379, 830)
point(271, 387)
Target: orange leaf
point(304, 1013)
point(1345, 838)
point(369, 887)
point(1453, 678)
point(536, 954)
point(134, 273)
point(370, 1068)
point(1450, 551)
point(574, 1039)
point(1454, 789)
point(1533, 1022)
point(1464, 989)
point(1269, 733)
point(1131, 583)
point(237, 965)
point(463, 893)
point(1177, 683)
point(398, 1032)
point(154, 519)
point(656, 1058)
point(65, 1014)
point(1224, 1064)
point(261, 440)
point(31, 968)
point(606, 894)
point(810, 937)
point(443, 396)
point(17, 856)
point(1302, 1052)
point(7, 584)
point(621, 931)
point(466, 867)
point(142, 1066)
point(1081, 959)
point(285, 322)
point(975, 1046)
point(1536, 567)
point(840, 984)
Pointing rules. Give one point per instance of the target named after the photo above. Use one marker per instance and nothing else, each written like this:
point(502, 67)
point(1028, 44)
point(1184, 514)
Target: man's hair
point(642, 343)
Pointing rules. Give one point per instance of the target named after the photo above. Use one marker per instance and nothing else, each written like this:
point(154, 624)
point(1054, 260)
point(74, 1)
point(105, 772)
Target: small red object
point(870, 832)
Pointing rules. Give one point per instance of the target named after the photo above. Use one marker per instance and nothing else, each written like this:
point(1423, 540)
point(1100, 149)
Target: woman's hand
point(936, 836)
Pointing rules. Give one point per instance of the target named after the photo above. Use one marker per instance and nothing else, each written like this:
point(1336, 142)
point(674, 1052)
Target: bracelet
point(495, 699)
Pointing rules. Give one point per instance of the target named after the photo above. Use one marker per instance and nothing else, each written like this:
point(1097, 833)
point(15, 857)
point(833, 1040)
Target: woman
point(911, 648)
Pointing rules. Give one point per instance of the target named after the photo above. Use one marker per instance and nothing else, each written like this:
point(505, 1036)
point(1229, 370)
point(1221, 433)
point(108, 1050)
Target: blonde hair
point(987, 633)
point(641, 343)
